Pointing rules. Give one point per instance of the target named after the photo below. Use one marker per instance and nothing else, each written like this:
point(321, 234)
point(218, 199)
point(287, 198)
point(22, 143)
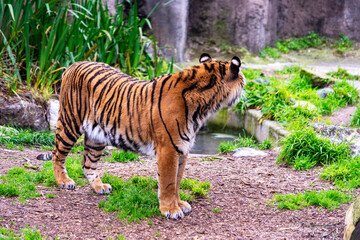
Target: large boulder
point(22, 112)
point(352, 224)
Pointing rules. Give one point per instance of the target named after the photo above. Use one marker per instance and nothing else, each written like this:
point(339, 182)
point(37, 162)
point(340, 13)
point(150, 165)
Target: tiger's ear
point(235, 66)
point(204, 58)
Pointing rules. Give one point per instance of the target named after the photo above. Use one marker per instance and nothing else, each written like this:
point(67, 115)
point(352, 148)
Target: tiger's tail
point(45, 157)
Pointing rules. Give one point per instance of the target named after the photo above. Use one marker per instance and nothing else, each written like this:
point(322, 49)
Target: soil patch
point(240, 190)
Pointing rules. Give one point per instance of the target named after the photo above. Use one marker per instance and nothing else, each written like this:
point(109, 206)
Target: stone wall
point(252, 24)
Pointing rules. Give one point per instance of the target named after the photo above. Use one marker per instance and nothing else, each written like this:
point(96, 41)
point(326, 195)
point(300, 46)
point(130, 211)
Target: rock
point(262, 81)
point(22, 113)
point(248, 152)
point(339, 134)
point(352, 226)
point(323, 93)
point(305, 104)
point(52, 113)
point(317, 79)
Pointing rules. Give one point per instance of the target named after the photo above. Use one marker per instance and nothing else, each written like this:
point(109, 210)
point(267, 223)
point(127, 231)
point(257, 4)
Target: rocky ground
point(241, 188)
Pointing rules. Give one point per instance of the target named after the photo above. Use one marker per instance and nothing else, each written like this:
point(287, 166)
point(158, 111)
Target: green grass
point(329, 199)
point(345, 173)
point(226, 147)
point(21, 183)
point(216, 210)
point(136, 198)
point(304, 148)
point(355, 119)
point(312, 40)
point(343, 43)
point(343, 74)
point(277, 99)
point(25, 234)
point(25, 137)
point(122, 156)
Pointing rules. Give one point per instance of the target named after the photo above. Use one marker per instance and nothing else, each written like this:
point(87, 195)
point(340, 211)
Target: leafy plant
point(26, 234)
point(343, 74)
point(26, 137)
point(304, 148)
point(329, 199)
point(39, 41)
point(226, 147)
point(355, 119)
point(122, 156)
point(271, 52)
point(343, 43)
point(344, 172)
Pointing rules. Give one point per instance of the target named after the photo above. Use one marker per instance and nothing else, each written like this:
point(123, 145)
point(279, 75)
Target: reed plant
point(39, 39)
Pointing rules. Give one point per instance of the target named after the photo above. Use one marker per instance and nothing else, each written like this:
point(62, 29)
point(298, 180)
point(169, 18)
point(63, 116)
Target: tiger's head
point(220, 80)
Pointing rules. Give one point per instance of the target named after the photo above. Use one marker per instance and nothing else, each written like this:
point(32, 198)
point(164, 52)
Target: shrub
point(304, 148)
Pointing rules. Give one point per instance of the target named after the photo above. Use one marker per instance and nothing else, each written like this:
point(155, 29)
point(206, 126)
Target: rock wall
point(252, 24)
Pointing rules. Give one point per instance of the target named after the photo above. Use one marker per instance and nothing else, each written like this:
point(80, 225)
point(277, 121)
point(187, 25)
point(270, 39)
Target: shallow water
point(208, 142)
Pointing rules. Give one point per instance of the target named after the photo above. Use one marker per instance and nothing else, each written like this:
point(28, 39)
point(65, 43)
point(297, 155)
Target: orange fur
point(161, 116)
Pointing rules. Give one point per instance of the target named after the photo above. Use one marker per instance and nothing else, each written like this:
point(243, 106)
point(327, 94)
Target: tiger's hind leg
point(64, 140)
point(92, 154)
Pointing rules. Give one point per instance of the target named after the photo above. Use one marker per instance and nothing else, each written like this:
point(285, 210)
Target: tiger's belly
point(122, 140)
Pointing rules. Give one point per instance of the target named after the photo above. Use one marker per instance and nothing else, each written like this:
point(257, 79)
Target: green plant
point(22, 183)
point(343, 74)
point(26, 137)
point(304, 148)
point(77, 149)
point(136, 198)
point(271, 52)
point(266, 144)
point(344, 172)
point(343, 43)
point(25, 234)
point(329, 199)
point(122, 156)
point(50, 195)
point(39, 41)
point(226, 147)
point(216, 210)
point(355, 119)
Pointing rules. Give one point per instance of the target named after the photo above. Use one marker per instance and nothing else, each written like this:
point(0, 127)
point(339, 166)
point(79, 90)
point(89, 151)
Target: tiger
point(159, 117)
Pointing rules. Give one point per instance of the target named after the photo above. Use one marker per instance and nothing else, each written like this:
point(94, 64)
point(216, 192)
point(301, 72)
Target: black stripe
point(212, 83)
point(162, 120)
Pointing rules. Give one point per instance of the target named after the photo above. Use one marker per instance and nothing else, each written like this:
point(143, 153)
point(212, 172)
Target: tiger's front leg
point(185, 206)
point(167, 176)
point(92, 154)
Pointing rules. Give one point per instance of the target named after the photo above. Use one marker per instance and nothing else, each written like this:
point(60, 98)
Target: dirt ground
point(240, 187)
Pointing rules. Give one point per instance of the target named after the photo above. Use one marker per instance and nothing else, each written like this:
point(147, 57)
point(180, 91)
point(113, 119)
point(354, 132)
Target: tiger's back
point(160, 117)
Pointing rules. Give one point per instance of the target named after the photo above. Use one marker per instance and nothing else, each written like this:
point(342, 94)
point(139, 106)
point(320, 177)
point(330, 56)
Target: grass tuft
point(329, 199)
point(136, 198)
point(304, 148)
point(26, 137)
point(26, 233)
point(226, 147)
point(122, 156)
point(19, 182)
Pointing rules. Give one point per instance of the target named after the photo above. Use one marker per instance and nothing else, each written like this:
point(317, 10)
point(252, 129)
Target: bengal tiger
point(158, 117)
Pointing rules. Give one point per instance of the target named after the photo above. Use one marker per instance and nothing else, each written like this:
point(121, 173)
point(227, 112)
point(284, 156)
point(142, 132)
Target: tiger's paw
point(172, 213)
point(66, 183)
point(102, 188)
point(185, 206)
